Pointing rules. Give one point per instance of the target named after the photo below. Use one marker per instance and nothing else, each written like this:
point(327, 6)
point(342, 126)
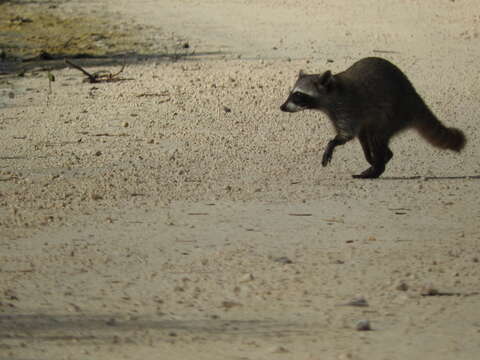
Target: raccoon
point(372, 100)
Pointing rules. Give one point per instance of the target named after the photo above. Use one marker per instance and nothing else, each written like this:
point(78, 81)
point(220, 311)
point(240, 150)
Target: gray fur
point(372, 100)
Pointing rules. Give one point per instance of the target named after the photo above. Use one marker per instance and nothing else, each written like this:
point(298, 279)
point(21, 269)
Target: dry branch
point(99, 76)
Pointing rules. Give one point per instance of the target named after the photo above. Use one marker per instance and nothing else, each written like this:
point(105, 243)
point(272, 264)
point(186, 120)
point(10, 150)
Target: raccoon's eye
point(301, 99)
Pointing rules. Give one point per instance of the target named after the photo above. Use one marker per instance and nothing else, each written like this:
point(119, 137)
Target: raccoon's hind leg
point(332, 144)
point(377, 153)
point(362, 137)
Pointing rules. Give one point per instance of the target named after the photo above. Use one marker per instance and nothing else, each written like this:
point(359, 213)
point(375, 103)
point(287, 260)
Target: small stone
point(98, 153)
point(363, 325)
point(279, 350)
point(246, 278)
point(96, 197)
point(74, 307)
point(150, 141)
point(359, 301)
point(283, 260)
point(11, 294)
point(230, 304)
point(227, 109)
point(125, 124)
point(401, 286)
point(429, 290)
point(111, 322)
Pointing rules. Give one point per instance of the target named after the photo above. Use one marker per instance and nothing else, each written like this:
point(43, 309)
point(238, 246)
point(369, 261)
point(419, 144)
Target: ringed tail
point(437, 134)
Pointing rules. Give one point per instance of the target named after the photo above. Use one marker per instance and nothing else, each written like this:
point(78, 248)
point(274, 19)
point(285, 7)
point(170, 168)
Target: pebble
point(279, 350)
point(401, 286)
point(247, 278)
point(111, 322)
point(74, 307)
point(429, 290)
point(10, 294)
point(230, 304)
point(363, 325)
point(125, 124)
point(283, 260)
point(359, 301)
point(96, 196)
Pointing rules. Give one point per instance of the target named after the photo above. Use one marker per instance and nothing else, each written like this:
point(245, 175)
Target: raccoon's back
point(378, 79)
point(381, 92)
point(384, 99)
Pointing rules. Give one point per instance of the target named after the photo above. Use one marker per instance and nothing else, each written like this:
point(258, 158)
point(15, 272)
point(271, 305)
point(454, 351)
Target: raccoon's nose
point(284, 107)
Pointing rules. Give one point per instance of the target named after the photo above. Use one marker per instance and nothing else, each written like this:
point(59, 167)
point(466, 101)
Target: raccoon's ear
point(301, 73)
point(326, 80)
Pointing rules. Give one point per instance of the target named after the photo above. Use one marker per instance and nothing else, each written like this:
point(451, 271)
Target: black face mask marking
point(302, 100)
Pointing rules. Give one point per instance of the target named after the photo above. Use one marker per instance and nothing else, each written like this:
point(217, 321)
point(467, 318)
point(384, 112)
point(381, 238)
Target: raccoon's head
point(309, 92)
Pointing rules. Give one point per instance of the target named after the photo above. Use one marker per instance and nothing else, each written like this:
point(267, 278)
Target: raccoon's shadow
point(427, 178)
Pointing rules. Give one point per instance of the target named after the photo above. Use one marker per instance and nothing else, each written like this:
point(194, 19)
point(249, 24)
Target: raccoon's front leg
point(332, 144)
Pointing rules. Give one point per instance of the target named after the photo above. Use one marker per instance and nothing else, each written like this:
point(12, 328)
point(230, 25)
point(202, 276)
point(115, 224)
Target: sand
point(178, 214)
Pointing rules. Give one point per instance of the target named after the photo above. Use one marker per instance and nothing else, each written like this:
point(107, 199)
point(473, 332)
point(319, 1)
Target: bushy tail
point(439, 135)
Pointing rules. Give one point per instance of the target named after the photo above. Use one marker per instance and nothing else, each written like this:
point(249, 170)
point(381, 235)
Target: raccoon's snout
point(290, 107)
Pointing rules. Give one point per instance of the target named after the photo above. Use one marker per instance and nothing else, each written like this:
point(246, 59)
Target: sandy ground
point(178, 214)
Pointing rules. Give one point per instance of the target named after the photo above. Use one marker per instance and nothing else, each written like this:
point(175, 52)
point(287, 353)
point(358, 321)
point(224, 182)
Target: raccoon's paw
point(327, 157)
point(370, 173)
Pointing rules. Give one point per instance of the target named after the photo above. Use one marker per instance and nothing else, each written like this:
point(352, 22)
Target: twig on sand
point(99, 76)
point(379, 51)
point(51, 78)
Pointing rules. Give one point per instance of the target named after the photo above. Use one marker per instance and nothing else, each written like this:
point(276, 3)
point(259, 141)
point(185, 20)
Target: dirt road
point(179, 214)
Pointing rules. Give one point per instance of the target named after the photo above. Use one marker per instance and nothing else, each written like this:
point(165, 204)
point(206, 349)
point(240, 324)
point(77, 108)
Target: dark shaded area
point(40, 35)
point(102, 327)
point(26, 2)
point(56, 62)
point(426, 178)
